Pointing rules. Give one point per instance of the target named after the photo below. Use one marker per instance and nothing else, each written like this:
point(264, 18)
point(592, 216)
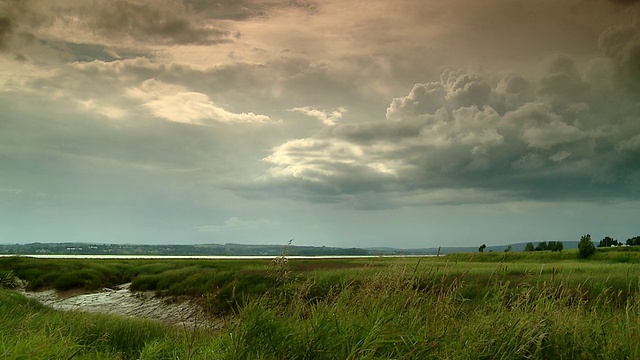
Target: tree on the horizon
point(542, 246)
point(555, 246)
point(634, 241)
point(529, 247)
point(482, 247)
point(608, 241)
point(559, 246)
point(586, 247)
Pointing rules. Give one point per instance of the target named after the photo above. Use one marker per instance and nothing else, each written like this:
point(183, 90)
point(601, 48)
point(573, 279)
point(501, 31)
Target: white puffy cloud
point(328, 118)
point(318, 160)
point(455, 89)
point(176, 103)
point(422, 99)
point(368, 155)
point(464, 89)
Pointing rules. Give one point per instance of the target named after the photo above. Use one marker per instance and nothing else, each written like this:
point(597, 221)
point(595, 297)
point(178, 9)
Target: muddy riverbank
point(122, 301)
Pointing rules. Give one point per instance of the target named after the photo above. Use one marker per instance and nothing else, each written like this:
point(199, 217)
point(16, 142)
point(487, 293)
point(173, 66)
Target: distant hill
point(520, 246)
point(239, 249)
point(460, 249)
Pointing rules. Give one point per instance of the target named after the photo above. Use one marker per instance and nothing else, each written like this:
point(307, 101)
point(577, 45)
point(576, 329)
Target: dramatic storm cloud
point(347, 123)
point(563, 136)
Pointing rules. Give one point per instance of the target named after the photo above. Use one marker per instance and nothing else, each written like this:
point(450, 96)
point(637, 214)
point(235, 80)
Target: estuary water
point(205, 257)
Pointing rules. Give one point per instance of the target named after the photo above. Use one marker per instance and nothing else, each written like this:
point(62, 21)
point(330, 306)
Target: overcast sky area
point(345, 123)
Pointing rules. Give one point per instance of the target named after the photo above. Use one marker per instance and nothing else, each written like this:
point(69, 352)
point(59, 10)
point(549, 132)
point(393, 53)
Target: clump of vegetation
point(8, 280)
point(586, 247)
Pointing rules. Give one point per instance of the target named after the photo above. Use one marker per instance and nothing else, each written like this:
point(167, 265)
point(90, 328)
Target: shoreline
point(208, 257)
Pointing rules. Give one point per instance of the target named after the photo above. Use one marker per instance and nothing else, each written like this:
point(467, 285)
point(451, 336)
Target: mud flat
point(122, 301)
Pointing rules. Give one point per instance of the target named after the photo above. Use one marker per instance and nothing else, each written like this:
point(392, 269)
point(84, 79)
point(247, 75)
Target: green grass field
point(514, 305)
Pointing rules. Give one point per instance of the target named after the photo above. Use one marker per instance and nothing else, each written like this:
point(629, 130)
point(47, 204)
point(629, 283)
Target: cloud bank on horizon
point(142, 121)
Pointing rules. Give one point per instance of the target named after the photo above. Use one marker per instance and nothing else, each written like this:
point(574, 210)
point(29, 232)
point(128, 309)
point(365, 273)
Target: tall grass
point(29, 330)
point(473, 306)
point(389, 317)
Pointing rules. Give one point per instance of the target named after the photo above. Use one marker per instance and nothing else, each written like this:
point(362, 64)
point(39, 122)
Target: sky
point(411, 124)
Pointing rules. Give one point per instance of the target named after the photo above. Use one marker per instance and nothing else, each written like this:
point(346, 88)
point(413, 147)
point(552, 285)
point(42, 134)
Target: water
point(204, 257)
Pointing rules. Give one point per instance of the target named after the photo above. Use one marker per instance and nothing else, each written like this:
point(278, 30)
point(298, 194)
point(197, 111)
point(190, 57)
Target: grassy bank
point(29, 330)
point(469, 306)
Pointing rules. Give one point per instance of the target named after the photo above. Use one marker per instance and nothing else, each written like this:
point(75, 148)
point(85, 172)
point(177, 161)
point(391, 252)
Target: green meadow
point(516, 305)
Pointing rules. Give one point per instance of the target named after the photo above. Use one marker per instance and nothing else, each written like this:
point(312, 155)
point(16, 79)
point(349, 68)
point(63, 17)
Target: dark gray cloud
point(189, 22)
point(622, 45)
point(82, 52)
point(16, 21)
point(239, 10)
point(117, 26)
point(623, 2)
point(555, 138)
point(152, 22)
point(6, 29)
point(228, 9)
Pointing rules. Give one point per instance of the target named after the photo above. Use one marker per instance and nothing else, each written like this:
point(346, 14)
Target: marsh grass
point(388, 317)
point(469, 306)
point(8, 280)
point(30, 330)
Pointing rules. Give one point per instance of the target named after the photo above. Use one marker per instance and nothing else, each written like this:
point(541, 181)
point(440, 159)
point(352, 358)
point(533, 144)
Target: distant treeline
point(178, 250)
point(545, 246)
point(608, 241)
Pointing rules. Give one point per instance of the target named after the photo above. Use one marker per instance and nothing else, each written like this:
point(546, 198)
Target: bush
point(586, 247)
point(8, 281)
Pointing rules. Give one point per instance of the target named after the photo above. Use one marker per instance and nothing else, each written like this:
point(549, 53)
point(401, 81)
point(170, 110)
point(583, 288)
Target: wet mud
point(122, 301)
